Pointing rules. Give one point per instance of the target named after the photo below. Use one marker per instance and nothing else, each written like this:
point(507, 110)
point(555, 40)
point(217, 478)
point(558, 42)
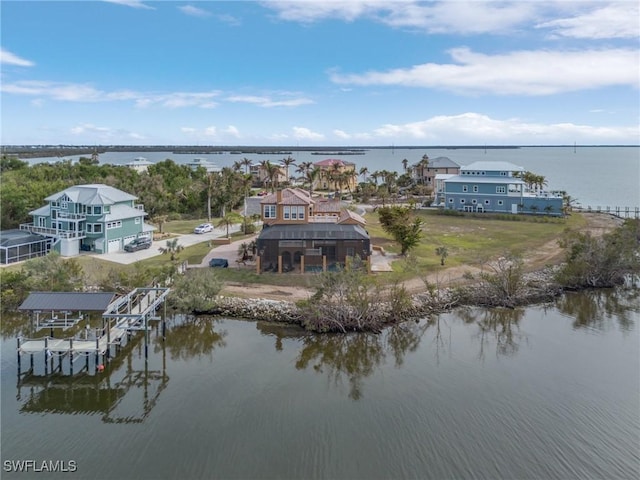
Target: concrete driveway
point(126, 258)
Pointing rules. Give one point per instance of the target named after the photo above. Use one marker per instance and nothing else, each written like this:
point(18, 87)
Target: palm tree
point(443, 253)
point(286, 162)
point(172, 248)
point(311, 176)
point(246, 163)
point(364, 171)
point(424, 165)
point(228, 220)
point(271, 172)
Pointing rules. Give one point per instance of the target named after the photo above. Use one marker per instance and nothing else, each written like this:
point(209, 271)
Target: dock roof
point(71, 301)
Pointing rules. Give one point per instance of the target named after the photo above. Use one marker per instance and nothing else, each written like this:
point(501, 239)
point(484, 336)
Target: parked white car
point(204, 228)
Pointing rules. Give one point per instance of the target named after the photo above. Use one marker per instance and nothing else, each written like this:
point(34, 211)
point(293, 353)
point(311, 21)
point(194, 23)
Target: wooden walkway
point(621, 212)
point(62, 346)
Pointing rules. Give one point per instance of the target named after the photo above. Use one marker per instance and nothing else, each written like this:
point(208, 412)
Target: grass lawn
point(469, 240)
point(472, 239)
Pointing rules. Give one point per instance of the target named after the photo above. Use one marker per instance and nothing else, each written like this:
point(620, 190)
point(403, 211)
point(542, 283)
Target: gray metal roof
point(314, 231)
point(10, 238)
point(491, 166)
point(122, 212)
point(93, 194)
point(442, 162)
point(71, 301)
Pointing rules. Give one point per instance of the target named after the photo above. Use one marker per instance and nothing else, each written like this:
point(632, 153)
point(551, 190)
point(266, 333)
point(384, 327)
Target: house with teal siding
point(496, 187)
point(96, 218)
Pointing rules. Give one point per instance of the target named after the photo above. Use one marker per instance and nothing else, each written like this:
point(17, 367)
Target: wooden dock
point(125, 314)
point(620, 212)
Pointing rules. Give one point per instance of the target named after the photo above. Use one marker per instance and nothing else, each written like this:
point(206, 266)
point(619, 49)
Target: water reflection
point(125, 392)
point(190, 336)
point(596, 309)
point(355, 357)
point(495, 325)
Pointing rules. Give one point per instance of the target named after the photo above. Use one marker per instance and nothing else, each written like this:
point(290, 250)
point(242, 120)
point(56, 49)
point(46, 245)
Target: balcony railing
point(52, 232)
point(323, 219)
point(71, 216)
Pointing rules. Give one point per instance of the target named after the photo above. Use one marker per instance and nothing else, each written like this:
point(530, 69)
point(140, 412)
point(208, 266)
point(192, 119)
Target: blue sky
point(314, 73)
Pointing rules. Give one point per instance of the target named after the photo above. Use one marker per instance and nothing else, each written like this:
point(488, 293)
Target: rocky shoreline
point(538, 287)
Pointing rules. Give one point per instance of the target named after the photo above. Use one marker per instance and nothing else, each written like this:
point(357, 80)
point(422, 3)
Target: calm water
point(596, 176)
point(543, 392)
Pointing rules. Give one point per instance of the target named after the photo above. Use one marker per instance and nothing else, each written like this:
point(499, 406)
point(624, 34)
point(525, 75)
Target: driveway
point(126, 258)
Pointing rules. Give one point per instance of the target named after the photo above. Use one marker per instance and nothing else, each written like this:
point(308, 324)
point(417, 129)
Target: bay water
point(547, 391)
point(595, 176)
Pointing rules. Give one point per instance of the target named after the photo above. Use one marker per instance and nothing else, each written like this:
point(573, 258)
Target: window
point(97, 228)
point(269, 211)
point(500, 202)
point(451, 200)
point(475, 189)
point(112, 225)
point(97, 210)
point(64, 204)
point(487, 202)
point(286, 212)
point(501, 189)
point(474, 201)
point(504, 174)
point(462, 200)
point(465, 188)
point(137, 220)
point(351, 252)
point(90, 227)
point(301, 212)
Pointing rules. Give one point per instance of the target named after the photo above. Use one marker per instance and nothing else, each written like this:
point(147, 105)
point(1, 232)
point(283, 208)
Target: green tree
point(287, 162)
point(228, 220)
point(172, 248)
point(403, 225)
point(54, 273)
point(601, 261)
point(443, 253)
point(196, 290)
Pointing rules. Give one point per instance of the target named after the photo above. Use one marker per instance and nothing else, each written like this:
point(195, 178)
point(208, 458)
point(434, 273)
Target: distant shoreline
point(41, 151)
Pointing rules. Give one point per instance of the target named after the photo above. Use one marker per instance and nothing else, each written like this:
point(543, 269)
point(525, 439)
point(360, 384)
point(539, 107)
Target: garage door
point(128, 240)
point(114, 246)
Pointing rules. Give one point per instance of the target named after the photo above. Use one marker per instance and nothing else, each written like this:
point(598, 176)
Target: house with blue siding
point(96, 218)
point(496, 187)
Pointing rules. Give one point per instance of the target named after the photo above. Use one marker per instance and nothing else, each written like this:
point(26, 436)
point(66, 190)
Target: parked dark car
point(219, 262)
point(140, 243)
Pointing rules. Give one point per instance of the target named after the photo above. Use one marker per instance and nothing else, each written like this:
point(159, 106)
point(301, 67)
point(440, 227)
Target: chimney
point(279, 197)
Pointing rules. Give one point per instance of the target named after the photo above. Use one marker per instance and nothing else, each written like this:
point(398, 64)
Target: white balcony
point(52, 232)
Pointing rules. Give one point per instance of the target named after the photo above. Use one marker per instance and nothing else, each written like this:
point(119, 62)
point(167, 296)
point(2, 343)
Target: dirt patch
point(549, 254)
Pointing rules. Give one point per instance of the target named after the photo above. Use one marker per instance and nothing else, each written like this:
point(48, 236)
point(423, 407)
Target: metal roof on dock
point(72, 301)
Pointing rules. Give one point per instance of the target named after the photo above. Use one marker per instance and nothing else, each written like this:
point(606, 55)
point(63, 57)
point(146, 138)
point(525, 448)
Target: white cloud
point(302, 133)
point(477, 128)
point(342, 134)
point(515, 73)
point(211, 131)
point(8, 58)
point(92, 133)
point(194, 11)
point(131, 3)
point(76, 92)
point(617, 20)
point(232, 131)
point(433, 17)
point(268, 102)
